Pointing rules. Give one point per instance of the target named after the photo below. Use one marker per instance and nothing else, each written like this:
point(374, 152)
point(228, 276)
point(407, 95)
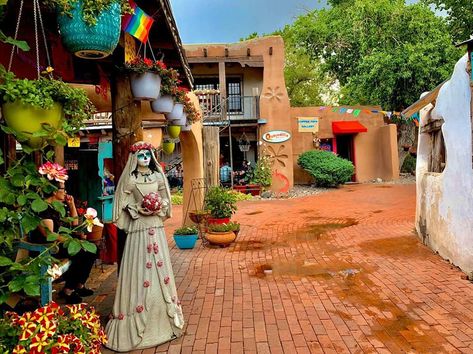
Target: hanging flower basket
point(163, 104)
point(174, 131)
point(27, 119)
point(186, 128)
point(176, 112)
point(91, 42)
point(181, 121)
point(145, 86)
point(168, 147)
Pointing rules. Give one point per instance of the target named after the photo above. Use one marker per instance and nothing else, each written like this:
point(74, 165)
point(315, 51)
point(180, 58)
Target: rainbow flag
point(137, 24)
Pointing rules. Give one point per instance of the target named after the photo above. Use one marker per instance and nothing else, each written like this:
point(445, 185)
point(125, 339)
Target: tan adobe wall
point(375, 150)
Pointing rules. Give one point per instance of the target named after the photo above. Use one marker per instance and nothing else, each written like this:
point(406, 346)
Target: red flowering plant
point(51, 329)
point(180, 96)
point(169, 81)
point(141, 65)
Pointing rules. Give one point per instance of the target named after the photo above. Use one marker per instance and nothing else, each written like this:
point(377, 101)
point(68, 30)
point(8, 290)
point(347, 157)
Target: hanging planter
point(27, 120)
point(86, 40)
point(186, 128)
point(174, 131)
point(145, 86)
point(176, 112)
point(182, 121)
point(168, 147)
point(163, 104)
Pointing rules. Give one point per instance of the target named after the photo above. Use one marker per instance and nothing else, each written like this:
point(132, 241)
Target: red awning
point(348, 127)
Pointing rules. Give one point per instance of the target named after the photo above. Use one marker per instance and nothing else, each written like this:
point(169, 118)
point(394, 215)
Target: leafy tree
point(382, 52)
point(459, 16)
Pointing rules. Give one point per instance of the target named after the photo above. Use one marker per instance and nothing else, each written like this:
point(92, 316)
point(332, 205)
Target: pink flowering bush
point(51, 329)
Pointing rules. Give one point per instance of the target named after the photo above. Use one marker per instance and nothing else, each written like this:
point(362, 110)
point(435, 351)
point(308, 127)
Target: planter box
point(254, 189)
point(185, 241)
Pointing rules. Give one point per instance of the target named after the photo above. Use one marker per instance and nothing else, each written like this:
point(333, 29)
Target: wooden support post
point(211, 144)
point(470, 65)
point(126, 122)
point(59, 154)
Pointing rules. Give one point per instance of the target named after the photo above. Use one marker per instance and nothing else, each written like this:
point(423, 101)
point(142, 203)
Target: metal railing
point(215, 109)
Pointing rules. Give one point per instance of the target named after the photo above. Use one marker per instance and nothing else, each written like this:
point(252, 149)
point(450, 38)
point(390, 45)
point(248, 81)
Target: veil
point(122, 194)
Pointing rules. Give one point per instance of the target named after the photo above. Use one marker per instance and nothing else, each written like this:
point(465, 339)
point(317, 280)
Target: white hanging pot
point(176, 112)
point(145, 86)
point(164, 104)
point(186, 128)
point(181, 121)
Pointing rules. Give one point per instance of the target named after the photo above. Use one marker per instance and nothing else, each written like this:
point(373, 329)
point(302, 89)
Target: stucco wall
point(375, 150)
point(444, 200)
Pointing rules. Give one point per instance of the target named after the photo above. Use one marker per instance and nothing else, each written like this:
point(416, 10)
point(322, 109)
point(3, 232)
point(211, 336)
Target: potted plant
point(90, 28)
point(220, 234)
point(168, 146)
point(169, 82)
point(185, 237)
point(221, 203)
point(145, 77)
point(43, 109)
point(261, 176)
point(235, 227)
point(176, 115)
point(51, 329)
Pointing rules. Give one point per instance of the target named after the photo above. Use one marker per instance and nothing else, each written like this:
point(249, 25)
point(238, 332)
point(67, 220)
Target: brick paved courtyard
point(332, 273)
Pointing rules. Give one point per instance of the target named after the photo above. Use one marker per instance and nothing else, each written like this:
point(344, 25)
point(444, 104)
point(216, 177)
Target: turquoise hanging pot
point(91, 42)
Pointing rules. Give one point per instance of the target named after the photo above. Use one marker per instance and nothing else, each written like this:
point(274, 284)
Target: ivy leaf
point(50, 155)
point(16, 284)
point(59, 207)
point(29, 223)
point(51, 237)
point(74, 247)
point(22, 199)
point(60, 139)
point(89, 246)
point(39, 205)
point(64, 230)
point(5, 261)
point(4, 297)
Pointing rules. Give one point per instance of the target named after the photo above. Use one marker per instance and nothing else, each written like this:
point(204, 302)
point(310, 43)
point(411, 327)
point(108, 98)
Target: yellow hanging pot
point(168, 147)
point(174, 131)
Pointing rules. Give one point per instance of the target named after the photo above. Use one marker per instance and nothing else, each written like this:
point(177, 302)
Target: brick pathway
point(333, 273)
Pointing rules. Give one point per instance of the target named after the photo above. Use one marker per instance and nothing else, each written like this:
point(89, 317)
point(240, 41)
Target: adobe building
point(242, 90)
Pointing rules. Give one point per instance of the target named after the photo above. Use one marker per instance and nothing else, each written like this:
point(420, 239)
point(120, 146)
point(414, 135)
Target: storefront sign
point(73, 142)
point(276, 136)
point(308, 124)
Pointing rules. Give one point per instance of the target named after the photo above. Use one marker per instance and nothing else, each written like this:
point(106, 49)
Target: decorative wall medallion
point(273, 94)
point(278, 156)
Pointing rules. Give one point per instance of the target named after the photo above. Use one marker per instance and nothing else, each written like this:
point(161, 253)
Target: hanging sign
point(276, 136)
point(73, 142)
point(308, 125)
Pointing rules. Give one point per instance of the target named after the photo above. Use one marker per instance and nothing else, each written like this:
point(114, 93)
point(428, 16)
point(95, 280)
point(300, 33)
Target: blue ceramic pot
point(91, 42)
point(185, 241)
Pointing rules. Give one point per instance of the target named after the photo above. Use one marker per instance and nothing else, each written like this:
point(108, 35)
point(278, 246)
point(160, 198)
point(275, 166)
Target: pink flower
point(150, 248)
point(121, 316)
point(139, 308)
point(166, 280)
point(146, 284)
point(155, 248)
point(91, 219)
point(149, 265)
point(151, 232)
point(53, 171)
point(159, 263)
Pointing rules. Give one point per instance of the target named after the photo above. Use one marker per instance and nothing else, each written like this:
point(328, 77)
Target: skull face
point(144, 158)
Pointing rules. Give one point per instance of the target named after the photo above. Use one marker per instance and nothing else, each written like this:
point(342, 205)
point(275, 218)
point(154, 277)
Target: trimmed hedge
point(328, 169)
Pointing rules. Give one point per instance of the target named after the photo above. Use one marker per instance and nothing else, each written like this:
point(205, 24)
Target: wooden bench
point(46, 289)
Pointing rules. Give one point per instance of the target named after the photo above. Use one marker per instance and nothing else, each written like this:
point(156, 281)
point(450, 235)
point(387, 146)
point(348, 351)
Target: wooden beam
point(432, 126)
point(211, 144)
point(254, 59)
point(424, 101)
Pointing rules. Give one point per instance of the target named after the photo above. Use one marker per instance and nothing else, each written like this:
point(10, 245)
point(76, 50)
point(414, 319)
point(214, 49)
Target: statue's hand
point(145, 211)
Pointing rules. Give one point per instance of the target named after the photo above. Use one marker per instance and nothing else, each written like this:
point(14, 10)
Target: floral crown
point(53, 171)
point(141, 146)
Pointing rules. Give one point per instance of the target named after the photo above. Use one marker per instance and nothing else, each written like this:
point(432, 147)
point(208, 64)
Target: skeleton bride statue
point(146, 311)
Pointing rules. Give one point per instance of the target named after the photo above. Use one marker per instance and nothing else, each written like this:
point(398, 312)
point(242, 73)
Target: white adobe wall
point(444, 215)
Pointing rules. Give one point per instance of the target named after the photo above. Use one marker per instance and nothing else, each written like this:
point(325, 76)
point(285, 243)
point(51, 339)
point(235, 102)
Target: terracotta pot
point(214, 221)
point(238, 188)
point(163, 104)
point(96, 234)
point(174, 131)
point(27, 119)
point(145, 86)
point(222, 239)
point(254, 189)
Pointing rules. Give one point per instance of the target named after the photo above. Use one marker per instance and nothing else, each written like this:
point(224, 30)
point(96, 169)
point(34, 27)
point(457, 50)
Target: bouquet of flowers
point(50, 329)
point(152, 202)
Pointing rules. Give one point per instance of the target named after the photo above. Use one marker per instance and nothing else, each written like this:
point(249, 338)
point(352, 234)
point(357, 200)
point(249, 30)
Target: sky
point(226, 21)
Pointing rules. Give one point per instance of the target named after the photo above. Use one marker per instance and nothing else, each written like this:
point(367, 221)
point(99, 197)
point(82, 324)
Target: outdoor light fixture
point(244, 143)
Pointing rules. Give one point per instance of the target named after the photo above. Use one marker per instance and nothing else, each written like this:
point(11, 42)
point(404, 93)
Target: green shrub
point(186, 230)
point(177, 199)
point(221, 227)
point(409, 165)
point(220, 202)
point(327, 169)
point(241, 196)
point(235, 226)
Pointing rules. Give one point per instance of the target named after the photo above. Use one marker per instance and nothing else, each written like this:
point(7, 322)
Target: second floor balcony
point(214, 108)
